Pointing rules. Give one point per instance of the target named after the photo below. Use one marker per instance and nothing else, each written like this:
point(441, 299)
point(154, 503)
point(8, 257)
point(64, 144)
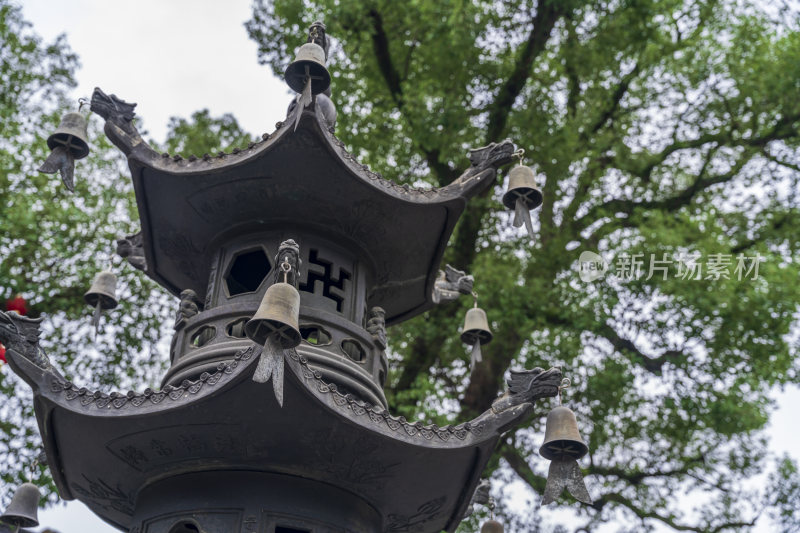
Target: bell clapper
point(303, 98)
point(563, 445)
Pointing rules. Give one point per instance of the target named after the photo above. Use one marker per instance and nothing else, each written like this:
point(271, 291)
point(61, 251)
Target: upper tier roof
point(291, 179)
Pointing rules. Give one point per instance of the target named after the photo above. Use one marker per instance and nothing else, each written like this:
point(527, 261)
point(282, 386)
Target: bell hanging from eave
point(102, 295)
point(24, 506)
point(563, 445)
point(275, 326)
point(67, 144)
point(491, 525)
point(523, 195)
point(476, 331)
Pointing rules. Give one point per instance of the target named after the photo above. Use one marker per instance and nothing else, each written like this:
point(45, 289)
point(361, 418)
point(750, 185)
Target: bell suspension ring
point(563, 445)
point(275, 326)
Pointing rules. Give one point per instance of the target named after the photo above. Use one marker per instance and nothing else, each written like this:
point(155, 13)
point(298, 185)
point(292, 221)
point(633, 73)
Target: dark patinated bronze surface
point(290, 259)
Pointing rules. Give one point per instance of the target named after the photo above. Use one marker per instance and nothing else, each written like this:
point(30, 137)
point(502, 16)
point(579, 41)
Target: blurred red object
point(3, 354)
point(18, 304)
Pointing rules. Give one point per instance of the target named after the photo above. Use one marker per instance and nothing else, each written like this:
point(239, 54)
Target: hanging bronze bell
point(476, 327)
point(309, 63)
point(24, 506)
point(492, 526)
point(522, 186)
point(278, 313)
point(102, 295)
point(561, 437)
point(475, 333)
point(68, 143)
point(71, 134)
point(103, 292)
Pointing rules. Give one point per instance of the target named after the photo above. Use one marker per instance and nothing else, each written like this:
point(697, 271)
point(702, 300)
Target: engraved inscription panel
point(147, 450)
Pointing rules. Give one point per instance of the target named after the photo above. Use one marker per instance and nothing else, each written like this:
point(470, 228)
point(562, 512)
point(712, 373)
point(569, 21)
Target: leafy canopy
point(659, 129)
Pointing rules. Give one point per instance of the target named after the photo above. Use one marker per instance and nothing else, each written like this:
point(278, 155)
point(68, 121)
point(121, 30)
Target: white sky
point(173, 57)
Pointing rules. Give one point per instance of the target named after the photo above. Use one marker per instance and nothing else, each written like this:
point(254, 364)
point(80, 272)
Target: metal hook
point(32, 471)
point(565, 384)
point(82, 101)
point(474, 298)
point(286, 267)
point(518, 154)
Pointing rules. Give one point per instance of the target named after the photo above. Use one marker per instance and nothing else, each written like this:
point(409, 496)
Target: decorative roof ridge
point(103, 400)
point(380, 415)
point(221, 154)
point(119, 127)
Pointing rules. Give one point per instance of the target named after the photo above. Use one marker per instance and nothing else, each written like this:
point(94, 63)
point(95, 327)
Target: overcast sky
point(173, 57)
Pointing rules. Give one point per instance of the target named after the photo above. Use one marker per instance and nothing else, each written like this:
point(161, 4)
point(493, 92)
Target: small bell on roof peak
point(307, 75)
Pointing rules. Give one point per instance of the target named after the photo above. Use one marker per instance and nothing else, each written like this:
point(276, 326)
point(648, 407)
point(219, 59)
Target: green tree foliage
point(658, 128)
point(203, 134)
point(54, 242)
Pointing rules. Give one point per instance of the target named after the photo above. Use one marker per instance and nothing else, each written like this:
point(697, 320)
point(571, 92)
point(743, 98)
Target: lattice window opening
point(186, 526)
point(331, 279)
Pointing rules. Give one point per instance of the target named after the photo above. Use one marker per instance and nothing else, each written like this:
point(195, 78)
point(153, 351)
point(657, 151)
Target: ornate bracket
point(189, 306)
point(450, 284)
point(376, 326)
point(131, 248)
point(317, 35)
point(290, 251)
point(21, 335)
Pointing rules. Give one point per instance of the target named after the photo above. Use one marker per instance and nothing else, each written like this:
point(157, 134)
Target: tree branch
point(671, 203)
point(547, 14)
point(626, 347)
point(394, 83)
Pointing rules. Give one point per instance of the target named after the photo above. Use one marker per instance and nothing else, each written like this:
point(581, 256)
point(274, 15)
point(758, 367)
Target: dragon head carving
point(493, 155)
point(526, 386)
point(112, 108)
point(20, 334)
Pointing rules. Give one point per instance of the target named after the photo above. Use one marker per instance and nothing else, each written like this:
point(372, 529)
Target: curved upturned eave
point(141, 154)
point(57, 399)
